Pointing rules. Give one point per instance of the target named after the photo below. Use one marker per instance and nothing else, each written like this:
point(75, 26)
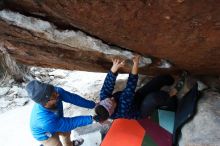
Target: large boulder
point(183, 32)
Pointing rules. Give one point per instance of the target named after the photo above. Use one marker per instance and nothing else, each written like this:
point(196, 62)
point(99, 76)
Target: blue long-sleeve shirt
point(44, 122)
point(125, 99)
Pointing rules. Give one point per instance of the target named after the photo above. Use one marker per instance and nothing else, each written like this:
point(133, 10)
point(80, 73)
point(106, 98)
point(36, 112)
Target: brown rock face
point(185, 32)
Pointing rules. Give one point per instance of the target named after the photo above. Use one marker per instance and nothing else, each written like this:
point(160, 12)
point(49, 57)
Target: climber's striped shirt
point(125, 107)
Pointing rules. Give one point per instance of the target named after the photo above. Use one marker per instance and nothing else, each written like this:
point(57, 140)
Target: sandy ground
point(15, 129)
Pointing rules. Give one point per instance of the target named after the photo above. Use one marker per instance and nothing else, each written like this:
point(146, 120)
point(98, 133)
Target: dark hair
point(101, 112)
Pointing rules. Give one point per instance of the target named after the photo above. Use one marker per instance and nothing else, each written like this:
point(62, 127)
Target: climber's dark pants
point(149, 97)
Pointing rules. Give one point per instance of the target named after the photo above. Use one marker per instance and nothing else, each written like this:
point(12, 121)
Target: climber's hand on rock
point(117, 63)
point(136, 59)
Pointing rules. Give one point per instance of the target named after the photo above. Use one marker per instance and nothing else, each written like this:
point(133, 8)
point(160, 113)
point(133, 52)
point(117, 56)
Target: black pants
point(149, 97)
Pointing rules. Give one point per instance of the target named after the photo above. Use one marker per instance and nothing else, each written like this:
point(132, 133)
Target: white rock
point(59, 73)
point(16, 92)
point(201, 86)
point(22, 92)
point(37, 73)
point(14, 89)
point(37, 78)
point(4, 103)
point(4, 90)
point(52, 77)
point(32, 69)
point(164, 64)
point(21, 101)
point(11, 96)
point(11, 81)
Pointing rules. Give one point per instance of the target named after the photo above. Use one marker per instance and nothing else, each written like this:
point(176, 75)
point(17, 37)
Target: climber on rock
point(128, 103)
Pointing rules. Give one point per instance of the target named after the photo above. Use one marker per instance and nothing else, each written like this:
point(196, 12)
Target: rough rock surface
point(204, 128)
point(63, 49)
point(184, 32)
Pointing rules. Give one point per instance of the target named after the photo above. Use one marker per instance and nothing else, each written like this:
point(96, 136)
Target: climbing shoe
point(78, 142)
point(180, 83)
